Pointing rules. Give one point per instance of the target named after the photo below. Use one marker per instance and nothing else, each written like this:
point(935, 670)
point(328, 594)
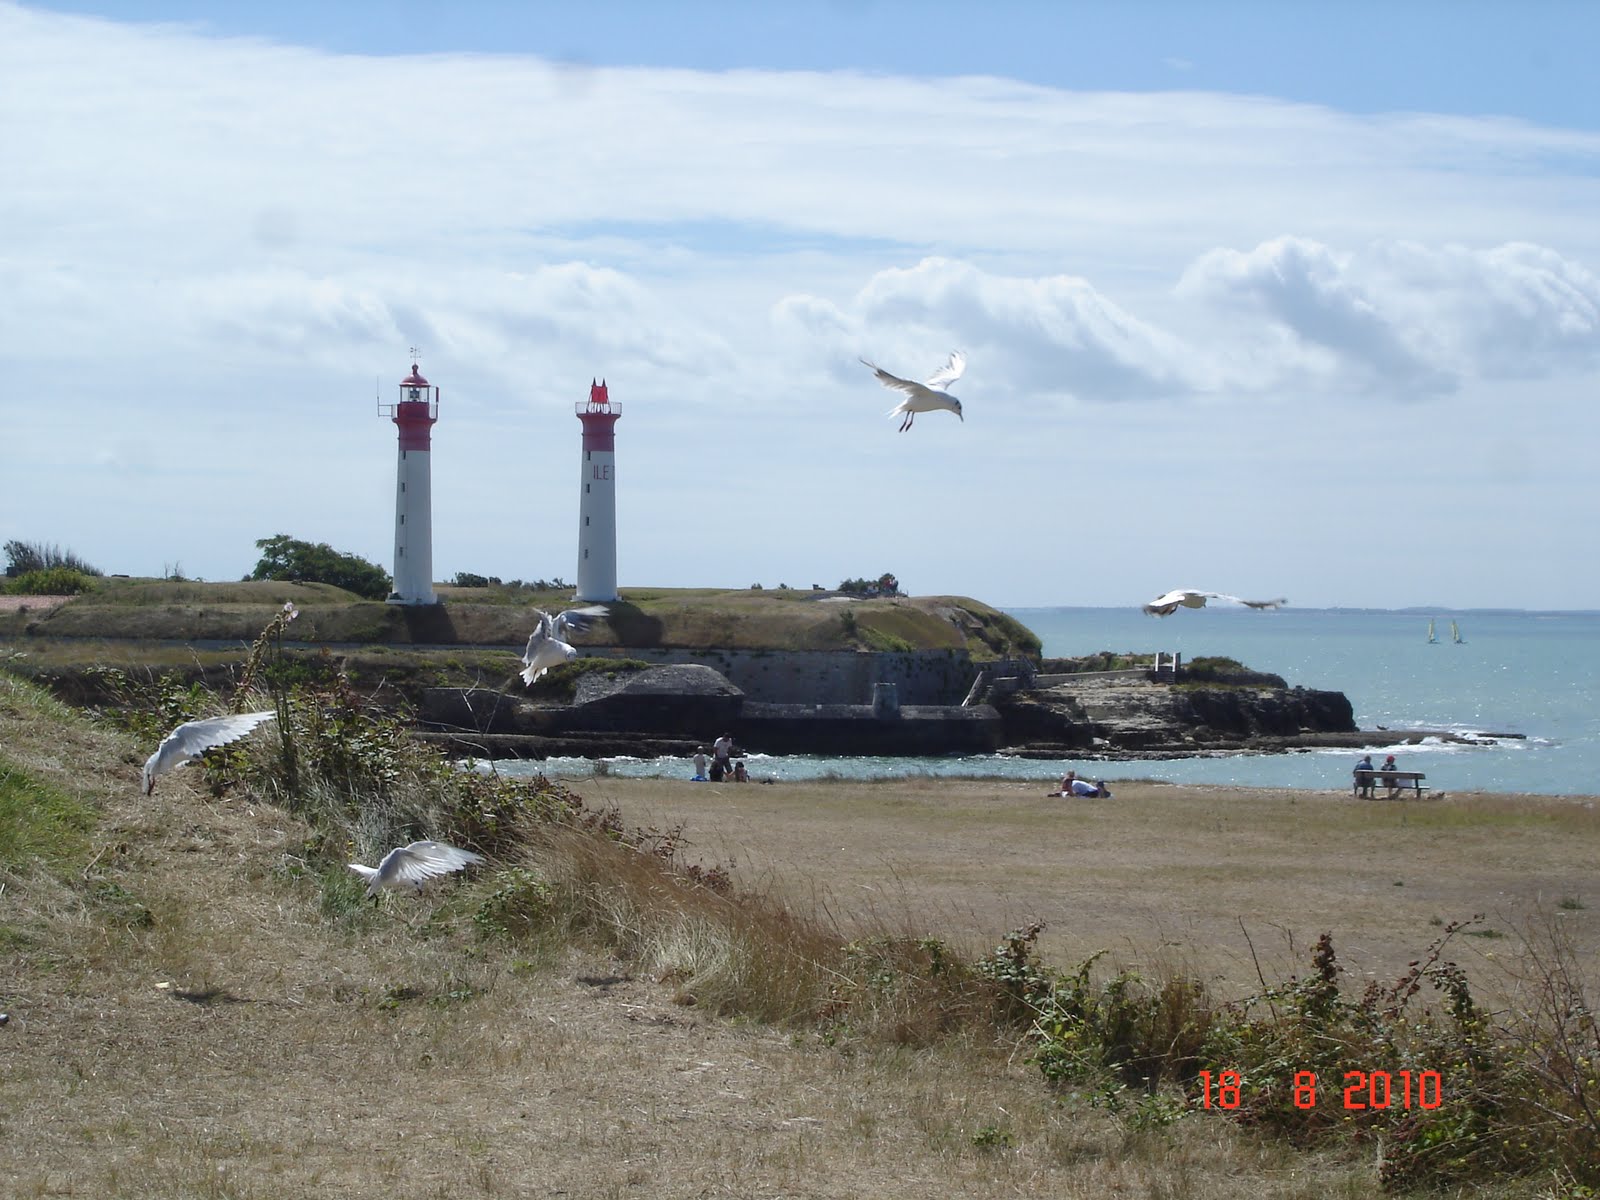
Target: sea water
point(1535, 674)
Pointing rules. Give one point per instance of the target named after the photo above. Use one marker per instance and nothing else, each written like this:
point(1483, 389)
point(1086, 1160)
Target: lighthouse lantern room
point(597, 499)
point(415, 415)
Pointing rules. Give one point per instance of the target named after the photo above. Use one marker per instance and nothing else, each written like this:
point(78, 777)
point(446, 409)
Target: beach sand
point(1207, 880)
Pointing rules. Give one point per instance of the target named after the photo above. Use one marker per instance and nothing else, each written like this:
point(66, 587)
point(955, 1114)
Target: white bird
point(412, 866)
point(1165, 606)
point(193, 738)
point(928, 395)
point(547, 644)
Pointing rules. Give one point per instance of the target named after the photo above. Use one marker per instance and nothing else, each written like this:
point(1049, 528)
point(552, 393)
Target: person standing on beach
point(722, 756)
point(699, 764)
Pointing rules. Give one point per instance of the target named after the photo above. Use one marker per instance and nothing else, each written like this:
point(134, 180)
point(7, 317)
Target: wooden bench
point(1395, 781)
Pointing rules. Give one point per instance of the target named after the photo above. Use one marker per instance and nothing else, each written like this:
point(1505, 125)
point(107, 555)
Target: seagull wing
point(577, 620)
point(1165, 606)
point(1257, 604)
point(542, 632)
point(420, 861)
point(196, 737)
point(909, 387)
point(193, 738)
point(949, 373)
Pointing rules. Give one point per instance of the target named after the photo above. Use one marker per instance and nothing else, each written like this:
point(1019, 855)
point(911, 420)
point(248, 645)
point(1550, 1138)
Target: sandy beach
point(1205, 879)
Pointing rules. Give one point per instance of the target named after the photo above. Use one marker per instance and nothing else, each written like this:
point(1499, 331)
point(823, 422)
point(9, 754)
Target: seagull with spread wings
point(547, 644)
point(193, 738)
point(412, 866)
point(926, 396)
point(1165, 606)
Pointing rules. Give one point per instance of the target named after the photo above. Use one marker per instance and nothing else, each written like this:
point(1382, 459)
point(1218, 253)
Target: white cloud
point(1053, 337)
point(200, 233)
point(1399, 318)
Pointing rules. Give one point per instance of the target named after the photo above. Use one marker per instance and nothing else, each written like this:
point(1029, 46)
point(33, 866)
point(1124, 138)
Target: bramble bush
point(1464, 1097)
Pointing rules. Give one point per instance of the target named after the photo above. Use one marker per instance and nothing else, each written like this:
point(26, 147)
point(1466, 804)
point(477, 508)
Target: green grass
point(37, 821)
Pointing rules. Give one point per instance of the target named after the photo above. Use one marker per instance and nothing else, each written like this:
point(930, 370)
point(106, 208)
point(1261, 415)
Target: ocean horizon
point(1526, 673)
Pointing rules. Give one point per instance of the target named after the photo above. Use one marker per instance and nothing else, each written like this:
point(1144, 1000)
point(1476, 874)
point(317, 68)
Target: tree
point(885, 585)
point(283, 557)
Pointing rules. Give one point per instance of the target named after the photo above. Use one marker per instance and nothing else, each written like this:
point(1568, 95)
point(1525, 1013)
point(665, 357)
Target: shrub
point(285, 558)
point(51, 581)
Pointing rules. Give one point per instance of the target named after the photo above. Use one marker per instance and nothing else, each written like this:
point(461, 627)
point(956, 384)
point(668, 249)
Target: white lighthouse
point(597, 503)
point(415, 414)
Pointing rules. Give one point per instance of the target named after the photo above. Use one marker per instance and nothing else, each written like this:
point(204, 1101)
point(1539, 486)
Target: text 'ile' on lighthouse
point(415, 414)
point(597, 502)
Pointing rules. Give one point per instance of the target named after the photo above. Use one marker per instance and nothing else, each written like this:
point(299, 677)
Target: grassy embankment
point(202, 630)
point(202, 1005)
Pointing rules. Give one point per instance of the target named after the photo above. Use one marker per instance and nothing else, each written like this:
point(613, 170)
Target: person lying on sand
point(1073, 786)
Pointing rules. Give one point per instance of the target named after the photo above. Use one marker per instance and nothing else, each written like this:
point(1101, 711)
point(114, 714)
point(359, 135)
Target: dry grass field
point(189, 1016)
point(1158, 875)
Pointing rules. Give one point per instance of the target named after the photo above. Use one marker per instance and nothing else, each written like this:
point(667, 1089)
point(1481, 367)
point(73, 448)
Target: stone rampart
point(822, 676)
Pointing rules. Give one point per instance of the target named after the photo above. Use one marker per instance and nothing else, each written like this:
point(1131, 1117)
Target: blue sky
point(1257, 297)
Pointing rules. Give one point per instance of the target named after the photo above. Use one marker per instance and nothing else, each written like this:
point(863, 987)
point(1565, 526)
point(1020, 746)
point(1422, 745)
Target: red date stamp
point(1361, 1090)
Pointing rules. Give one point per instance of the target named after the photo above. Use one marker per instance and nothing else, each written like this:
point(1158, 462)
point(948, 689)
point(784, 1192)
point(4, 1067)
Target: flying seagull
point(928, 395)
point(547, 644)
point(1165, 606)
point(193, 738)
point(412, 866)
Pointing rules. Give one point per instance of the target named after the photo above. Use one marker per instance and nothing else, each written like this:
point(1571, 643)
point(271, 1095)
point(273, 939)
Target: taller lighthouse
point(597, 503)
point(415, 414)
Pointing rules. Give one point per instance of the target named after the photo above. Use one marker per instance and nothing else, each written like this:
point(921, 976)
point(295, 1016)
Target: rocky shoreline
point(669, 710)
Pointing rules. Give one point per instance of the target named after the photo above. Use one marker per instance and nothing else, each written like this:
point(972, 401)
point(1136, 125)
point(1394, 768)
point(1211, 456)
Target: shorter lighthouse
point(597, 502)
point(415, 414)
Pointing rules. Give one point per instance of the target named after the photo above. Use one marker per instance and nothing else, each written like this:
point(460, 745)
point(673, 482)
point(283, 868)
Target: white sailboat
point(1431, 638)
point(1455, 633)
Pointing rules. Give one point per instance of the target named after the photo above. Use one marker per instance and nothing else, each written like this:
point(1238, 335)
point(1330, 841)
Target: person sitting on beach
point(1071, 785)
point(740, 775)
point(1364, 774)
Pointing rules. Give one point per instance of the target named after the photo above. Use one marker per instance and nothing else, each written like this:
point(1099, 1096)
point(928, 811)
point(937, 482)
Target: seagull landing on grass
point(1165, 606)
point(412, 866)
point(928, 395)
point(547, 644)
point(193, 738)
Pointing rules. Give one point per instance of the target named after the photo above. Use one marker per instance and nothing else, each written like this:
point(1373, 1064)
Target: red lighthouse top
point(417, 411)
point(598, 415)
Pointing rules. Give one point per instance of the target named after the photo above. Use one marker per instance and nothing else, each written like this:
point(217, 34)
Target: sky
point(1272, 299)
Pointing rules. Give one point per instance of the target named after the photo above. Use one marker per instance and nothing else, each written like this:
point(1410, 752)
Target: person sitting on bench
point(1364, 776)
point(1388, 778)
